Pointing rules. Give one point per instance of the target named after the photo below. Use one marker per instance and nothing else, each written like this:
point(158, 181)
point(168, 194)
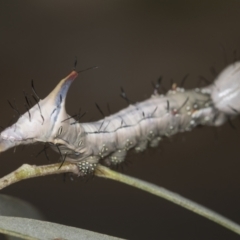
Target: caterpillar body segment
point(136, 127)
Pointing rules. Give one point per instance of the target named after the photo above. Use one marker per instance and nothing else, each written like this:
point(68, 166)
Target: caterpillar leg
point(88, 165)
point(116, 158)
point(141, 146)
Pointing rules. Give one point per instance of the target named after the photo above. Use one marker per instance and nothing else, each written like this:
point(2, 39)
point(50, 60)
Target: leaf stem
point(28, 171)
point(170, 196)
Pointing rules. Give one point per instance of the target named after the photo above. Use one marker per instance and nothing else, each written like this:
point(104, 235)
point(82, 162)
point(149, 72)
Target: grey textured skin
point(137, 126)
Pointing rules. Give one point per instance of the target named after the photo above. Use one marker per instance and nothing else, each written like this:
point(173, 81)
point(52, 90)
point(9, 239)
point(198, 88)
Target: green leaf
point(35, 229)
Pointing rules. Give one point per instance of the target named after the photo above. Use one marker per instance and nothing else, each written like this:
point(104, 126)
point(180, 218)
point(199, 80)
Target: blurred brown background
point(133, 43)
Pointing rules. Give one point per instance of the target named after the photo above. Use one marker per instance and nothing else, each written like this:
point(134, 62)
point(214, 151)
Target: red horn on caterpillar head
point(40, 122)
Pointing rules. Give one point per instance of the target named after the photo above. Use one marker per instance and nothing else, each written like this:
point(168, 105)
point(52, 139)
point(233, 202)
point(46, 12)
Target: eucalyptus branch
point(170, 196)
point(28, 171)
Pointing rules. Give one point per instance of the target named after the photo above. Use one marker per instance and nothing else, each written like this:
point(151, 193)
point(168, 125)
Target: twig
point(30, 171)
point(170, 196)
point(27, 171)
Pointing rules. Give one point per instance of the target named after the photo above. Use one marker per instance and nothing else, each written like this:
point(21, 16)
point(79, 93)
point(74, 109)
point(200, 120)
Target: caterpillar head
point(42, 121)
point(225, 92)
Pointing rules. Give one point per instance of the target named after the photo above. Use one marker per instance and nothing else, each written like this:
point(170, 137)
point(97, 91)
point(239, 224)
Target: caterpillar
point(138, 126)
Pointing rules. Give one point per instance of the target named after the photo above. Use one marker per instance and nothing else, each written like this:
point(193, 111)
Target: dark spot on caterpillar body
point(136, 127)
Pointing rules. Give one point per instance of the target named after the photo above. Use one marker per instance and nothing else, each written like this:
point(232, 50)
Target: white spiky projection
point(137, 126)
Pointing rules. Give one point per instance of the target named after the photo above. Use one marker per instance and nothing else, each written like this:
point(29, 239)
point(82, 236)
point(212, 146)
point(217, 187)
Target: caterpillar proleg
point(135, 127)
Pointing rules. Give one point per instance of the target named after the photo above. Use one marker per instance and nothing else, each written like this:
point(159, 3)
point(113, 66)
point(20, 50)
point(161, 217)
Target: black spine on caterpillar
point(137, 126)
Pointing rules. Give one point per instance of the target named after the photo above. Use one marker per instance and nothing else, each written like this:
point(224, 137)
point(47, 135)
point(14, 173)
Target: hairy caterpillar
point(139, 125)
